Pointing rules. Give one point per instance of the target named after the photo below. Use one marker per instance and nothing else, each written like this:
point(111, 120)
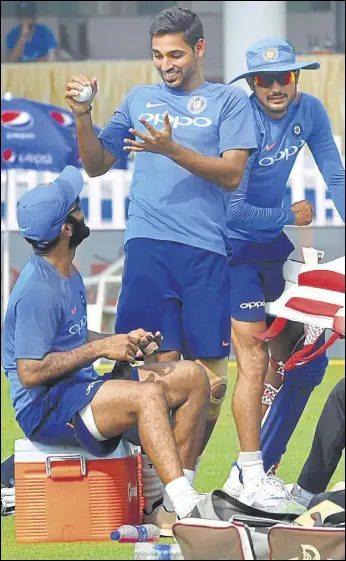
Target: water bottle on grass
point(134, 534)
point(158, 551)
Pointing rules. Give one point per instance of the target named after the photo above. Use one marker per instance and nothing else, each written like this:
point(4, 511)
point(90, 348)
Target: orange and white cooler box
point(64, 494)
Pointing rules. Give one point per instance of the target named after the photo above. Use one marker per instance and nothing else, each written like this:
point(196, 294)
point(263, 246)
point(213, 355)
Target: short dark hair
point(43, 248)
point(26, 10)
point(178, 20)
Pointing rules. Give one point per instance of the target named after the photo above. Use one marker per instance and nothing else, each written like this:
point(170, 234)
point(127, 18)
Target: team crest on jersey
point(82, 297)
point(197, 105)
point(297, 129)
point(270, 55)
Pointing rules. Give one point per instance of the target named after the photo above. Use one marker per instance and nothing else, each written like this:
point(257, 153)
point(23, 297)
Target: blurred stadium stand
point(311, 26)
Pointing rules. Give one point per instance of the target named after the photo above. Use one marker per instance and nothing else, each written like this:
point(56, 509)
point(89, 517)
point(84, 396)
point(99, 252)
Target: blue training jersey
point(255, 211)
point(168, 202)
point(46, 314)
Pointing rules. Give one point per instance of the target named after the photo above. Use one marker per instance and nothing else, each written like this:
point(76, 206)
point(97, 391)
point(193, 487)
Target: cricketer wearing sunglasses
point(258, 248)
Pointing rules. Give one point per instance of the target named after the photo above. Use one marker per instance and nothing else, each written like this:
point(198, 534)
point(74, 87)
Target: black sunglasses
point(76, 206)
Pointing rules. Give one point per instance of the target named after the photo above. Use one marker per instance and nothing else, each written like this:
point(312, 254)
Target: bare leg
point(252, 361)
point(186, 388)
point(218, 392)
point(119, 405)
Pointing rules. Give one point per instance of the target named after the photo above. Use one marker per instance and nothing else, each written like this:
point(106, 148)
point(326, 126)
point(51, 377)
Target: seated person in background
point(48, 356)
point(30, 41)
point(326, 451)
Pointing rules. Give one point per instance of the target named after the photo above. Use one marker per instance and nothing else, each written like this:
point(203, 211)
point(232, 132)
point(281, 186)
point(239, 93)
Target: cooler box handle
point(65, 458)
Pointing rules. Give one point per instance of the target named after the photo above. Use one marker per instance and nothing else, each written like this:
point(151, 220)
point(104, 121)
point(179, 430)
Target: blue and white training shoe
point(268, 493)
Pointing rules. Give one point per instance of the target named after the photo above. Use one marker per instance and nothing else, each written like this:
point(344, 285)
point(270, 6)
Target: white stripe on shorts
point(87, 417)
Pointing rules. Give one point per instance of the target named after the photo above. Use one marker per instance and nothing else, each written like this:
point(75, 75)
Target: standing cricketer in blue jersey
point(286, 120)
point(192, 139)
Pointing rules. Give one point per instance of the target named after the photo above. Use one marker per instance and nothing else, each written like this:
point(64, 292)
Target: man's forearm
point(90, 147)
point(17, 51)
point(215, 170)
point(55, 366)
point(245, 216)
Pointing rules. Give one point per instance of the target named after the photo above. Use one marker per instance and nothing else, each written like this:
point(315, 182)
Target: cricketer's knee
point(217, 371)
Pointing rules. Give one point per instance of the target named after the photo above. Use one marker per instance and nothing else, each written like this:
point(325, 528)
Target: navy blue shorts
point(179, 290)
point(57, 420)
point(252, 285)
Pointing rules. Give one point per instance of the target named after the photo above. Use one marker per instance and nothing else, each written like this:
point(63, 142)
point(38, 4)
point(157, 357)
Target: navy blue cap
point(273, 55)
point(41, 211)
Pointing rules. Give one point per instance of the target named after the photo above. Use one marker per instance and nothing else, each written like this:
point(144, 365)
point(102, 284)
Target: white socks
point(153, 490)
point(152, 486)
point(167, 503)
point(183, 496)
point(252, 467)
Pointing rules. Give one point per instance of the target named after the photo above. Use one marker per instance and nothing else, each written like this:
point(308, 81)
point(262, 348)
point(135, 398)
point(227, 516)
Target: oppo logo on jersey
point(252, 305)
point(157, 119)
point(79, 327)
point(282, 155)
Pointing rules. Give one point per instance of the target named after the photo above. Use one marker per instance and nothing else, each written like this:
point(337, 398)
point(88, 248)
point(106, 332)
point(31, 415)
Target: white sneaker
point(234, 484)
point(270, 495)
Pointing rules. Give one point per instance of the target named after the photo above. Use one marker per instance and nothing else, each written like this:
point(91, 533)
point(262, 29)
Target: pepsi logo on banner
point(28, 159)
point(38, 136)
point(9, 156)
point(17, 121)
point(63, 119)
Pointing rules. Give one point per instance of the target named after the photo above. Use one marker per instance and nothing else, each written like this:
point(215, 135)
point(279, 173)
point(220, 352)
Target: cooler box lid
point(27, 451)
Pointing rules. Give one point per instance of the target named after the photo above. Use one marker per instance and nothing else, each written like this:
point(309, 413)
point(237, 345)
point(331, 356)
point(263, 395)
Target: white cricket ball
point(84, 95)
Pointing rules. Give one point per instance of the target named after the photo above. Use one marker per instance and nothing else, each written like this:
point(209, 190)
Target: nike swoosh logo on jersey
point(150, 105)
point(269, 148)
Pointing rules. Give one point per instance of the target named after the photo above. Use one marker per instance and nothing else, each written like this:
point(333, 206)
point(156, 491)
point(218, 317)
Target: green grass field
point(219, 456)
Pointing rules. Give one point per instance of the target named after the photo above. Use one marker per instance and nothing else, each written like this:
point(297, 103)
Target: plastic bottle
point(134, 534)
point(158, 551)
